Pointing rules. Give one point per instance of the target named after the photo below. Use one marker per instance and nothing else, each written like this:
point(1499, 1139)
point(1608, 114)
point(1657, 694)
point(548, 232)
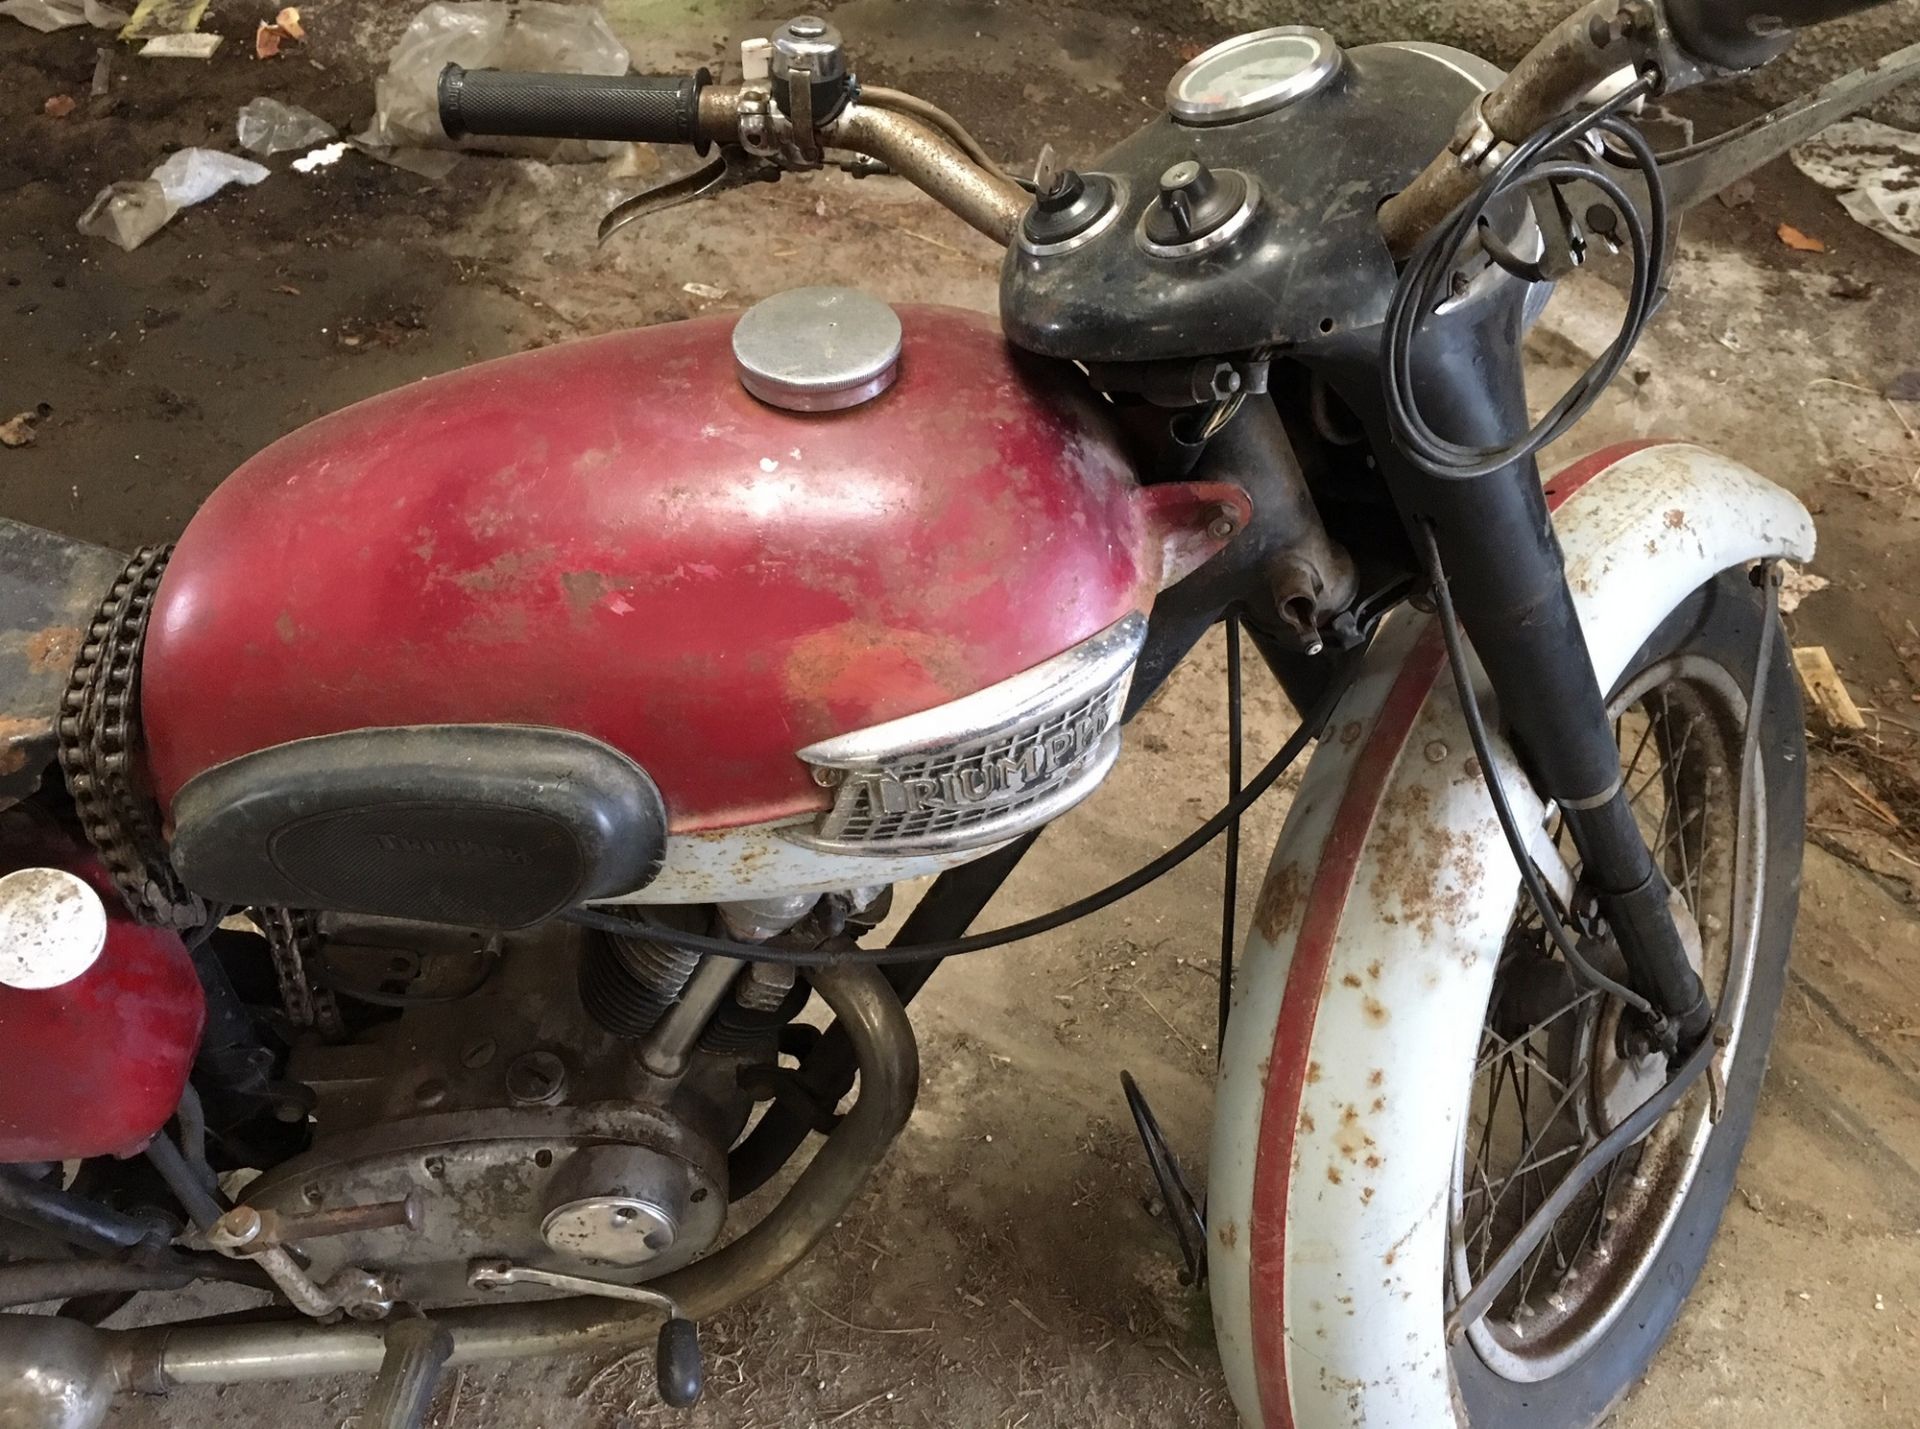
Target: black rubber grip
point(654, 109)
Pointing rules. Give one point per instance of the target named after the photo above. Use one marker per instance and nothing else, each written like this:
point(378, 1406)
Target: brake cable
point(1230, 882)
point(1496, 790)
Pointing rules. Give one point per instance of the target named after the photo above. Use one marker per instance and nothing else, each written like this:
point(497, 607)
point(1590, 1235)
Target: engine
point(561, 1100)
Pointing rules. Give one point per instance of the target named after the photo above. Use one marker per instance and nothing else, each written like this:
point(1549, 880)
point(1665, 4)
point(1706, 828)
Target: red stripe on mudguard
point(1306, 978)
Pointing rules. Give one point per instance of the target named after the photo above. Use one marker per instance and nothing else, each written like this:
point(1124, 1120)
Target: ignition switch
point(1195, 203)
point(1069, 208)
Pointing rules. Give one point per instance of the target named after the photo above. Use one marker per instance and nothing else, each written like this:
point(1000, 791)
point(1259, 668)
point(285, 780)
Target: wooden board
point(1826, 692)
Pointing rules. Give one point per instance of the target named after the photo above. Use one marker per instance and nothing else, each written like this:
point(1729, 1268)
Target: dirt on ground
point(1011, 1267)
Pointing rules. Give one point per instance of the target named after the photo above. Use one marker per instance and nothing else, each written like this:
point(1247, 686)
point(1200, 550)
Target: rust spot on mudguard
point(1430, 873)
point(1352, 1139)
point(1281, 899)
point(1229, 1234)
point(1675, 519)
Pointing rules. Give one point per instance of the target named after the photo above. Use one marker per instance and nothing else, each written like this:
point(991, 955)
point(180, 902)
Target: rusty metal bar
point(934, 164)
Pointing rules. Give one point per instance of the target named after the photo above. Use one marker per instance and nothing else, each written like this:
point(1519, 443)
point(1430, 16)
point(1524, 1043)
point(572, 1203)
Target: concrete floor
point(1003, 1271)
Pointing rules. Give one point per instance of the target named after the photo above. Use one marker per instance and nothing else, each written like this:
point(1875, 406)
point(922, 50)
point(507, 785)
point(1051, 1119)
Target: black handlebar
point(654, 109)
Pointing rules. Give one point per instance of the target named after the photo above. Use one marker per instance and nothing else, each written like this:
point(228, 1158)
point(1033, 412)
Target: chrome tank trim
point(981, 769)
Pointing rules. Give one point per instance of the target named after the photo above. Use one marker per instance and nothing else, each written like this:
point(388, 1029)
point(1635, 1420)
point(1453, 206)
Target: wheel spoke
point(1501, 1046)
point(1539, 1094)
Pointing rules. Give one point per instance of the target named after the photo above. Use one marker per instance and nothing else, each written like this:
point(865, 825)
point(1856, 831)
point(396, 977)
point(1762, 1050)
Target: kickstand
point(1189, 1222)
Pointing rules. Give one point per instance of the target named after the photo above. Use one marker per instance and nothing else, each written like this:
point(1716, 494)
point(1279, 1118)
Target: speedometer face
point(1252, 74)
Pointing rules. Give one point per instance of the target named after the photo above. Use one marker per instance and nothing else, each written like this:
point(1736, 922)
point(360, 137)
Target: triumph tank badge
point(983, 768)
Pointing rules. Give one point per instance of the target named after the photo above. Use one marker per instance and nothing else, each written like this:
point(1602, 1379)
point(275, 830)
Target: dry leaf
point(18, 431)
point(1798, 241)
point(58, 106)
point(288, 21)
point(266, 41)
point(1796, 585)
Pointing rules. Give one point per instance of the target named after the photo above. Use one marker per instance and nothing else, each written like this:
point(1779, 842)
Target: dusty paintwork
point(1355, 1030)
point(50, 587)
point(613, 537)
point(107, 1053)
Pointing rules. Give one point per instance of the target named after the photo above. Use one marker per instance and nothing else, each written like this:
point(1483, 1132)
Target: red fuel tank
point(614, 537)
point(94, 1066)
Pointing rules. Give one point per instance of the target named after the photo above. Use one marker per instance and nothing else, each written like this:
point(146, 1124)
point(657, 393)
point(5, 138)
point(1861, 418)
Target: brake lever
point(734, 168)
point(1699, 171)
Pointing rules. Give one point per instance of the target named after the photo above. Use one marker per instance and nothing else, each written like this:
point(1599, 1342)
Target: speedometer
point(1253, 74)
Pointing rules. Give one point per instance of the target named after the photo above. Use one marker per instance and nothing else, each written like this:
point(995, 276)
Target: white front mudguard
point(1364, 982)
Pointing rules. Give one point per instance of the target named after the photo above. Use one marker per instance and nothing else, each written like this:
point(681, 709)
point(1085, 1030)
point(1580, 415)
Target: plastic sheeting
point(1874, 170)
point(132, 211)
point(47, 16)
point(268, 126)
point(478, 34)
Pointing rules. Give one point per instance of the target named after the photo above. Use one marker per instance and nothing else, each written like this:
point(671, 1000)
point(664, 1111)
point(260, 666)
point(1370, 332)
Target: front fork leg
point(1509, 585)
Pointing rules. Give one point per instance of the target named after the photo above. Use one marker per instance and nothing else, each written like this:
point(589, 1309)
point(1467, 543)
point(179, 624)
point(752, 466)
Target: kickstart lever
point(676, 1353)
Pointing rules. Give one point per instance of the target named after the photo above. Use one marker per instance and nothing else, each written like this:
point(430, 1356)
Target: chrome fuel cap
point(817, 349)
point(53, 927)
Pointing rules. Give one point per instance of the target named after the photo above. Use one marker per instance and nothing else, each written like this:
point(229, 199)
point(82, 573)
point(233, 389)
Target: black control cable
point(1496, 790)
point(1229, 814)
point(1554, 155)
point(1230, 882)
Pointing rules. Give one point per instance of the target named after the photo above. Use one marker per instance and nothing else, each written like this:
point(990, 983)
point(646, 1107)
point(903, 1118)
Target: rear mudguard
point(1374, 946)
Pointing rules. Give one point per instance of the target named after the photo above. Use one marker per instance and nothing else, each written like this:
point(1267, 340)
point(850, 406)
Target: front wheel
point(1452, 1068)
point(1580, 1322)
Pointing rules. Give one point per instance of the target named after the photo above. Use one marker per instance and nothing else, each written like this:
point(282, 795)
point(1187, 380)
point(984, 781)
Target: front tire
point(1390, 920)
point(1707, 647)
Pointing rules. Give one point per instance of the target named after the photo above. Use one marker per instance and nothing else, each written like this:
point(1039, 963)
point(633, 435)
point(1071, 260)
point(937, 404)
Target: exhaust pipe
point(54, 1374)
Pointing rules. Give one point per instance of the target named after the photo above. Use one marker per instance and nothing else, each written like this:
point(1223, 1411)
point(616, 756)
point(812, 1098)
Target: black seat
point(483, 826)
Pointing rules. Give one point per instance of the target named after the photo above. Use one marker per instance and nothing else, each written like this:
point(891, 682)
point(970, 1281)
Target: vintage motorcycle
point(417, 874)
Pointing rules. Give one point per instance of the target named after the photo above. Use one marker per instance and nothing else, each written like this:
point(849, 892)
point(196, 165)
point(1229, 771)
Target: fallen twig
point(1871, 802)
